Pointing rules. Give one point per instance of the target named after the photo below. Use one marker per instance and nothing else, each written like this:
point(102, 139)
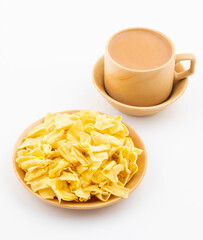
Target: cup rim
point(145, 29)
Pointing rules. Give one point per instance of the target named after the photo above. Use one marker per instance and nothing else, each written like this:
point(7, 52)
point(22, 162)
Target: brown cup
point(144, 87)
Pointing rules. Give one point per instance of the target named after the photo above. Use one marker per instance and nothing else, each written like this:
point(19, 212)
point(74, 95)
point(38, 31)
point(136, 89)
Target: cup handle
point(190, 71)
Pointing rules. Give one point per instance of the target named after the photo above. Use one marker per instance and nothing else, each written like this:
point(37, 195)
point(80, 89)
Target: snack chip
point(75, 157)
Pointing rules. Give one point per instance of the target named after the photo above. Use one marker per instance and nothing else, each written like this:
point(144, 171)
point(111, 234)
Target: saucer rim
point(161, 105)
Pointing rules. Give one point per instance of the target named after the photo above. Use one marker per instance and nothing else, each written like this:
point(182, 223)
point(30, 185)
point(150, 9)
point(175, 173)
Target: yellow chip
point(63, 121)
point(82, 194)
point(64, 150)
point(117, 190)
point(36, 173)
point(104, 196)
point(39, 184)
point(85, 138)
point(94, 189)
point(56, 171)
point(99, 138)
point(22, 159)
point(70, 177)
point(36, 162)
point(112, 174)
point(99, 156)
point(53, 137)
point(46, 148)
point(89, 127)
point(75, 131)
point(31, 143)
point(102, 122)
point(36, 153)
point(80, 157)
point(47, 193)
point(61, 190)
point(80, 169)
point(38, 131)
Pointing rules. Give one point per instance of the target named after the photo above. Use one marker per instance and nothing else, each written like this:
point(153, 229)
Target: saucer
point(98, 80)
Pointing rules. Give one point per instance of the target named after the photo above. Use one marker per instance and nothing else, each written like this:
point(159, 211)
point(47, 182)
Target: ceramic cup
point(144, 87)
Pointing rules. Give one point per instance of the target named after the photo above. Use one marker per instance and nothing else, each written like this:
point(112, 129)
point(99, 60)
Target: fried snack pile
point(77, 156)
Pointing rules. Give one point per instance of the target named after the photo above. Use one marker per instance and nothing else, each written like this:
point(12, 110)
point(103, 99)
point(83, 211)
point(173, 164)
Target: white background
point(47, 53)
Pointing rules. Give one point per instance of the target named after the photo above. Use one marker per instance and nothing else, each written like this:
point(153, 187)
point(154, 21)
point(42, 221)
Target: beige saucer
point(98, 79)
point(93, 203)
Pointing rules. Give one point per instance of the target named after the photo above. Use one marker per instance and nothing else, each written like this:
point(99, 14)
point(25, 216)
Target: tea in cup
point(139, 67)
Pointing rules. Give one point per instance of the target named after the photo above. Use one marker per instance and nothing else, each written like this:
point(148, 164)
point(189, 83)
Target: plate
point(92, 203)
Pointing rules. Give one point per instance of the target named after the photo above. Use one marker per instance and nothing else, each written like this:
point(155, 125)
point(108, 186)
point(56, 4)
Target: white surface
point(47, 52)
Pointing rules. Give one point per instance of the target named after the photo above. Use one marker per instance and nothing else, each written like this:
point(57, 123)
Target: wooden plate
point(93, 203)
